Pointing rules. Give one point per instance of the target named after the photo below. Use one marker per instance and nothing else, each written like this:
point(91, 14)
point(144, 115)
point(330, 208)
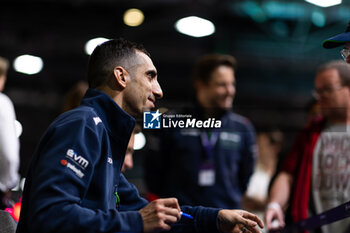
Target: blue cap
point(337, 40)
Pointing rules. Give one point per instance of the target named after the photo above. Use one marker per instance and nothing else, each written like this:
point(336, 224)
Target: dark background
point(277, 45)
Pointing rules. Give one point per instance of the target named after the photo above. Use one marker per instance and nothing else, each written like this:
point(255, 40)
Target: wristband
point(274, 205)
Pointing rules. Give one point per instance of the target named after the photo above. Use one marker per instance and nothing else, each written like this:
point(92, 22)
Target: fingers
point(170, 202)
point(251, 230)
point(247, 229)
point(280, 218)
point(167, 218)
point(246, 222)
point(160, 214)
point(271, 216)
point(172, 214)
point(240, 228)
point(170, 208)
point(163, 226)
point(235, 220)
point(253, 217)
point(268, 218)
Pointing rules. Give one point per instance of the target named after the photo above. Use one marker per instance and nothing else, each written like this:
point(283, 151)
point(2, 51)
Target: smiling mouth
point(152, 101)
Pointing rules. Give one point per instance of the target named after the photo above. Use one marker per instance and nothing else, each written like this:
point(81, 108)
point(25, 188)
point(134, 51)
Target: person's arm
point(164, 214)
point(9, 145)
point(278, 199)
point(253, 203)
point(281, 188)
point(130, 198)
point(55, 201)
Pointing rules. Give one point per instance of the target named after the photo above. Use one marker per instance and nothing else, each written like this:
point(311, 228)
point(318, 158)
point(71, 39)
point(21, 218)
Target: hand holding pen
point(160, 214)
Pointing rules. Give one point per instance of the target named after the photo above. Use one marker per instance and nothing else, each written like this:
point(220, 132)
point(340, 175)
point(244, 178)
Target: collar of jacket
point(118, 123)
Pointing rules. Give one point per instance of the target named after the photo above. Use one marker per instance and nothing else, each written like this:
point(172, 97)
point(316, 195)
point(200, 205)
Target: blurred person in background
point(314, 176)
point(9, 142)
point(313, 109)
point(342, 39)
point(209, 167)
point(74, 95)
point(75, 183)
point(269, 146)
point(128, 163)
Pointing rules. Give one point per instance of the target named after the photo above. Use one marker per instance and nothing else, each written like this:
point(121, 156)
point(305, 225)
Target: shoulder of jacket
point(239, 118)
point(81, 115)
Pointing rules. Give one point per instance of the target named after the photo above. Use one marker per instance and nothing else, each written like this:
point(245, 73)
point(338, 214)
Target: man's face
point(220, 90)
point(143, 88)
point(333, 97)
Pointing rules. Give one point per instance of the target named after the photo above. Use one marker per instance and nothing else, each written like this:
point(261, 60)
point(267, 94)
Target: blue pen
point(186, 215)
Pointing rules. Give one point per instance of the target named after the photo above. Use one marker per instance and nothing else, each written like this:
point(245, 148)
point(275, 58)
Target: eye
point(151, 74)
point(221, 84)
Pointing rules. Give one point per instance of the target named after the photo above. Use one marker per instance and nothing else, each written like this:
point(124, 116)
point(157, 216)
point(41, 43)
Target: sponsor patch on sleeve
point(75, 162)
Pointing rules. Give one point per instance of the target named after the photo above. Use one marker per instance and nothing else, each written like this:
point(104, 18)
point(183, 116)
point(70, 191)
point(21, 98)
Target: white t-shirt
point(258, 188)
point(331, 173)
point(258, 184)
point(9, 145)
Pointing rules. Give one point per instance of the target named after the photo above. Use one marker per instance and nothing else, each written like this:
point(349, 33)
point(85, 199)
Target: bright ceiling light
point(195, 26)
point(28, 64)
point(133, 17)
point(140, 141)
point(18, 128)
point(324, 3)
point(93, 43)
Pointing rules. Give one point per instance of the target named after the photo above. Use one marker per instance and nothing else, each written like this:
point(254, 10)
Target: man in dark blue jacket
point(74, 182)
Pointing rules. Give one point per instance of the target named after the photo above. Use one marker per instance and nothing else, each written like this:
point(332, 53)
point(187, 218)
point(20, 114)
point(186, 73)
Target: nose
point(157, 90)
point(230, 89)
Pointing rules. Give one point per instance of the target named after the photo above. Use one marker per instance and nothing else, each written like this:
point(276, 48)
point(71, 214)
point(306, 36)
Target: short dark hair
point(206, 64)
point(342, 67)
point(106, 56)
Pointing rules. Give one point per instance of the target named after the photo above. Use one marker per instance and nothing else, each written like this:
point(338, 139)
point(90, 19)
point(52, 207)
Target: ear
point(2, 82)
point(198, 85)
point(120, 75)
